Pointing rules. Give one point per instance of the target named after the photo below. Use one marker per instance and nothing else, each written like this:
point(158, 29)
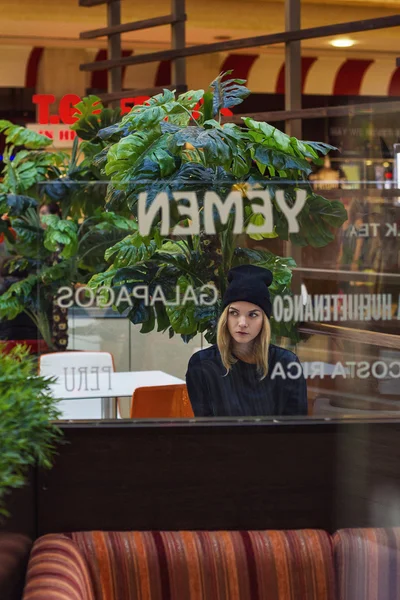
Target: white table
point(105, 386)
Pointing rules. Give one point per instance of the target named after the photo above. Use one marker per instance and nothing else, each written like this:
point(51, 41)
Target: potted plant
point(64, 249)
point(28, 436)
point(170, 144)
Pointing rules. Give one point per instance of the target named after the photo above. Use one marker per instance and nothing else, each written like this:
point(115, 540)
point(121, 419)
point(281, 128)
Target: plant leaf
point(21, 136)
point(228, 92)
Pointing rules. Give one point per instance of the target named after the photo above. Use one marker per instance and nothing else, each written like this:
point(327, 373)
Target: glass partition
point(131, 283)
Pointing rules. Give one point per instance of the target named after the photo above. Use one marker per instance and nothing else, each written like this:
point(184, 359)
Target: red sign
point(66, 108)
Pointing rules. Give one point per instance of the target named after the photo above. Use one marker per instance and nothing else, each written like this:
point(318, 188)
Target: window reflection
point(255, 325)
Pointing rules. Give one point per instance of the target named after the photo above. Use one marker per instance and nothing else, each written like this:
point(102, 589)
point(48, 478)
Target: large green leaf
point(16, 299)
point(29, 168)
point(104, 279)
point(268, 135)
point(181, 113)
point(132, 249)
point(15, 204)
point(228, 92)
point(111, 220)
point(29, 240)
point(88, 106)
point(316, 219)
point(331, 211)
point(221, 146)
point(92, 117)
point(163, 321)
point(211, 141)
point(57, 273)
point(181, 316)
point(61, 235)
point(149, 323)
point(20, 136)
point(127, 156)
point(149, 114)
point(320, 147)
point(280, 160)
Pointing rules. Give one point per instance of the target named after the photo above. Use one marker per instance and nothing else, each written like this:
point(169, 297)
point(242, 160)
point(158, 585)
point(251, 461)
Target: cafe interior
point(199, 300)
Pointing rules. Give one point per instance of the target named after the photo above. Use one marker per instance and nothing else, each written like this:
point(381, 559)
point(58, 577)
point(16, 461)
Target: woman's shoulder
point(276, 353)
point(208, 354)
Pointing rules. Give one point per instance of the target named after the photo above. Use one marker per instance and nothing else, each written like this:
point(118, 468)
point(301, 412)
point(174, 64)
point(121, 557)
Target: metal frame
point(322, 112)
point(292, 37)
point(88, 3)
point(114, 46)
point(124, 27)
point(252, 42)
point(113, 31)
point(293, 102)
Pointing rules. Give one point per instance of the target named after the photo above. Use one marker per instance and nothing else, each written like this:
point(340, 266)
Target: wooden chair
point(161, 402)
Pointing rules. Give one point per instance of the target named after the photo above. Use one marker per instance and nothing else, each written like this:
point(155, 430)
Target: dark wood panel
point(88, 3)
point(105, 98)
point(321, 474)
point(178, 41)
point(114, 75)
point(368, 476)
point(342, 275)
point(190, 477)
point(372, 338)
point(133, 26)
point(321, 112)
point(21, 505)
point(262, 475)
point(251, 42)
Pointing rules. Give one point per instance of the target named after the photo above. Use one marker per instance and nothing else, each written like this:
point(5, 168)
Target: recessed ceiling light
point(342, 43)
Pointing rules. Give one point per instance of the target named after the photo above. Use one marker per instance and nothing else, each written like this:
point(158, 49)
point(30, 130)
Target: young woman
point(243, 374)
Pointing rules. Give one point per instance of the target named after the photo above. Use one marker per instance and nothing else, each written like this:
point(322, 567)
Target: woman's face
point(245, 321)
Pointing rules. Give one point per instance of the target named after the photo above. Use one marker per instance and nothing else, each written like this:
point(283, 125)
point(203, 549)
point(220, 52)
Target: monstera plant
point(179, 144)
point(57, 250)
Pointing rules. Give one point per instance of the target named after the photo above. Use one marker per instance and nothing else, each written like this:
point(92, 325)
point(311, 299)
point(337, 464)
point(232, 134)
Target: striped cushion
point(57, 571)
point(257, 565)
point(368, 563)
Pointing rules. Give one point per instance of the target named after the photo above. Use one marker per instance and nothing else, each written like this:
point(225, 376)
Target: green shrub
point(27, 437)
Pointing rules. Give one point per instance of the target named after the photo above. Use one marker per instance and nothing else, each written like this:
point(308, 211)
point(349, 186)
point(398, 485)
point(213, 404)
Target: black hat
point(249, 283)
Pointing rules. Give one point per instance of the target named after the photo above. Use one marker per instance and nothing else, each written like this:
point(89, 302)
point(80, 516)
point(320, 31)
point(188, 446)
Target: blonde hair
point(260, 349)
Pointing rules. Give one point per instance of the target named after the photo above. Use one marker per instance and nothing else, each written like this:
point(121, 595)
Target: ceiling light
point(342, 43)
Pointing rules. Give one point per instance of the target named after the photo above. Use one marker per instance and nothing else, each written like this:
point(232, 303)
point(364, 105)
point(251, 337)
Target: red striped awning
point(56, 71)
point(328, 75)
